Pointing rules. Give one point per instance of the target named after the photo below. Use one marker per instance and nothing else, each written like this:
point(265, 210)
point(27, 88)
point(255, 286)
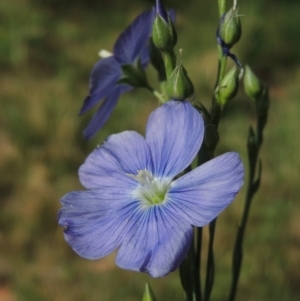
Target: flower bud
point(163, 32)
point(252, 85)
point(148, 294)
point(179, 86)
point(230, 29)
point(228, 86)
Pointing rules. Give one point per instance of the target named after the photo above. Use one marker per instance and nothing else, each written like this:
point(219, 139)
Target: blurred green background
point(47, 50)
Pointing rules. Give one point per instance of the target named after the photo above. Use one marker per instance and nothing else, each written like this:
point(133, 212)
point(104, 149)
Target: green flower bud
point(179, 86)
point(228, 86)
point(164, 34)
point(148, 294)
point(252, 85)
point(134, 75)
point(230, 28)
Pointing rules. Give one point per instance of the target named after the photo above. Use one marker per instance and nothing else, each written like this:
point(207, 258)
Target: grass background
point(47, 50)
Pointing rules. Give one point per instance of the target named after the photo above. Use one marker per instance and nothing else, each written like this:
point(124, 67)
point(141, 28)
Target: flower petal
point(104, 76)
point(94, 220)
point(122, 154)
point(134, 38)
point(105, 110)
point(174, 134)
point(200, 195)
point(155, 243)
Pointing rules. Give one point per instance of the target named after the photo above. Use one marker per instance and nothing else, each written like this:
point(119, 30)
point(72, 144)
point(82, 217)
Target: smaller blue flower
point(132, 45)
point(135, 204)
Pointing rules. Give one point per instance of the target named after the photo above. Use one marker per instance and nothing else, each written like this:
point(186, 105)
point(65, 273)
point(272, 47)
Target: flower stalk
point(254, 142)
point(216, 110)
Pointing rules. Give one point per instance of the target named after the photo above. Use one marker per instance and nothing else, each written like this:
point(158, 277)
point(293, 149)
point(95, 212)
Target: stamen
point(151, 190)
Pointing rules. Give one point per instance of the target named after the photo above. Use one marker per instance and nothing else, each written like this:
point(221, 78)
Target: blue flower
point(135, 204)
point(132, 45)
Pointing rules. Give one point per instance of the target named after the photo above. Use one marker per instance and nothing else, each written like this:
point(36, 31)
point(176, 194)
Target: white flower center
point(151, 191)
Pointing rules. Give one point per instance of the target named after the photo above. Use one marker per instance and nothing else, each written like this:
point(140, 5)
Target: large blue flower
point(131, 45)
point(134, 203)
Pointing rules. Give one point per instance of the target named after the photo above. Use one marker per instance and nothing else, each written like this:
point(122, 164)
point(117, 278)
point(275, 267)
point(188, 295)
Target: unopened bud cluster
point(178, 84)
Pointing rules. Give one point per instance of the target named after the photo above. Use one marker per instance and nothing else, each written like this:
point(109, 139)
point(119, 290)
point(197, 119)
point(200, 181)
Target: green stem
point(222, 62)
point(210, 268)
point(216, 115)
point(202, 157)
point(170, 62)
point(222, 7)
point(238, 253)
point(198, 256)
point(253, 185)
point(194, 274)
point(159, 96)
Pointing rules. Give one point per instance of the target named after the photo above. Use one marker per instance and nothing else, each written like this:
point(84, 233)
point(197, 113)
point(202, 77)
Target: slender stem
point(162, 85)
point(222, 7)
point(203, 156)
point(198, 257)
point(194, 274)
point(170, 62)
point(210, 268)
point(216, 115)
point(238, 253)
point(253, 185)
point(223, 62)
point(159, 96)
point(189, 273)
